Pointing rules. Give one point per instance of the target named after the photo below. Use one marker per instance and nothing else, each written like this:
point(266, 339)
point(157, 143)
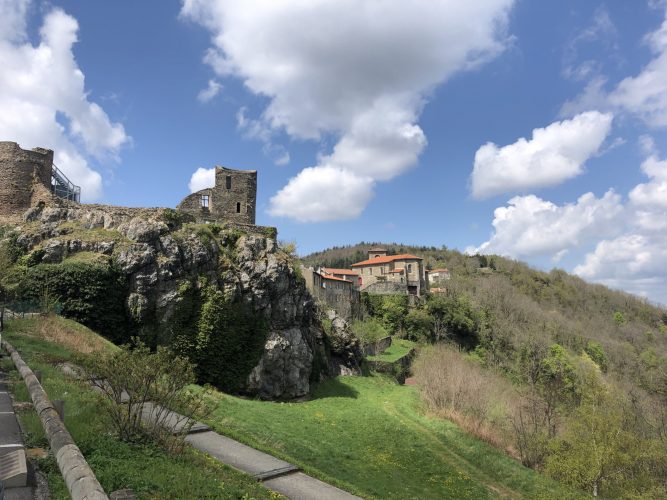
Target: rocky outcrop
point(156, 253)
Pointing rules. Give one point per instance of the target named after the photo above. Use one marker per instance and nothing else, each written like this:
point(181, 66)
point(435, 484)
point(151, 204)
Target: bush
point(136, 374)
point(90, 293)
point(369, 330)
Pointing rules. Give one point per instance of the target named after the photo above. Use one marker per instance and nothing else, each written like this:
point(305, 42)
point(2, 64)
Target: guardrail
point(79, 477)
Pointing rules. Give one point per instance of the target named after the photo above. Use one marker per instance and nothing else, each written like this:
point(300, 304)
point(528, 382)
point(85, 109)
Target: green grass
point(368, 435)
point(397, 349)
point(146, 469)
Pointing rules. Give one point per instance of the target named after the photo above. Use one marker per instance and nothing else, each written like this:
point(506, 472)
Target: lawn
point(368, 435)
point(146, 469)
point(397, 349)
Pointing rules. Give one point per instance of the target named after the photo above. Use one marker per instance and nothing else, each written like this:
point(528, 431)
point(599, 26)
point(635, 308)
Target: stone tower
point(25, 177)
point(233, 198)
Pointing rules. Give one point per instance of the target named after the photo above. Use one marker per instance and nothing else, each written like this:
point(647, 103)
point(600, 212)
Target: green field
point(150, 472)
point(397, 349)
point(367, 435)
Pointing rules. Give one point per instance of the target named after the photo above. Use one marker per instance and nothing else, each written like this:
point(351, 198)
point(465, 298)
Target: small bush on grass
point(135, 374)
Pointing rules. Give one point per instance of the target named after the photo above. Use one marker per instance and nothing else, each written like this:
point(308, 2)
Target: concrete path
point(13, 465)
point(275, 474)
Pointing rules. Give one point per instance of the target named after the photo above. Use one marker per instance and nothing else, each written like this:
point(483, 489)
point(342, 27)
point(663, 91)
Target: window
point(238, 207)
point(204, 201)
point(370, 271)
point(228, 182)
point(409, 268)
point(382, 270)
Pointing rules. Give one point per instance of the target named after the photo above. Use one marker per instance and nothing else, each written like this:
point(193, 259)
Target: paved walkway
point(275, 474)
point(13, 466)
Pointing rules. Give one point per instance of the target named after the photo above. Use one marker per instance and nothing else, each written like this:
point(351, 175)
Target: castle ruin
point(233, 198)
point(29, 178)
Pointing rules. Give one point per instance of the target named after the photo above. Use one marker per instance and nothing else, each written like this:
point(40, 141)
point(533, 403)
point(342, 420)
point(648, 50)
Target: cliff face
point(158, 255)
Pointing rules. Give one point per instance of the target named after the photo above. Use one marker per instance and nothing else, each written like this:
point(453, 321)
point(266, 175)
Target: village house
point(390, 274)
point(337, 293)
point(437, 275)
point(346, 274)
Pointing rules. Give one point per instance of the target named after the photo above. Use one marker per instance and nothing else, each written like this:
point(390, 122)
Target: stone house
point(337, 293)
point(232, 199)
point(382, 273)
point(437, 275)
point(346, 274)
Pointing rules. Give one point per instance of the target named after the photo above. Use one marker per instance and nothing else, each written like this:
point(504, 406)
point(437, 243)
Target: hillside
point(569, 377)
point(526, 304)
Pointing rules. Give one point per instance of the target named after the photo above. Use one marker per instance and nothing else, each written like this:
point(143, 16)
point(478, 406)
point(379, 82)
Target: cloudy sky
point(536, 130)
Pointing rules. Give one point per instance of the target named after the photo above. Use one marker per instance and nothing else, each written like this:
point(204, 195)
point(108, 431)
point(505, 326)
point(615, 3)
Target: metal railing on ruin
point(62, 187)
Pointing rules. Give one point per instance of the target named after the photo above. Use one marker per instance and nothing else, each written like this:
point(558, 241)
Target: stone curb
point(79, 478)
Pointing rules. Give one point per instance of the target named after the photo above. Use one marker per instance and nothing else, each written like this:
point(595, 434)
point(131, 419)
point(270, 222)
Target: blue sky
point(535, 130)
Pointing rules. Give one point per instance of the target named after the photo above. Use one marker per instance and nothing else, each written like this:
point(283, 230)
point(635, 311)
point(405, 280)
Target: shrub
point(140, 388)
point(369, 330)
point(90, 293)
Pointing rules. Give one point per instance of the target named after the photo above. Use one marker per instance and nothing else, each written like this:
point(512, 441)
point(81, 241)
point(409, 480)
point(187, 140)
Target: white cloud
point(40, 83)
point(530, 226)
point(630, 239)
point(644, 95)
point(202, 178)
point(357, 70)
point(634, 263)
point(323, 193)
point(553, 154)
point(652, 195)
point(212, 90)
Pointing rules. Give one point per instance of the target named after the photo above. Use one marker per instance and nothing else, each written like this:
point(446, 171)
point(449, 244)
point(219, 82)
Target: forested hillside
point(568, 376)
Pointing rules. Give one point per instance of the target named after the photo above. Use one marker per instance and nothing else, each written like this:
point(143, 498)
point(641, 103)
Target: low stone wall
point(377, 347)
point(386, 288)
point(79, 478)
point(399, 369)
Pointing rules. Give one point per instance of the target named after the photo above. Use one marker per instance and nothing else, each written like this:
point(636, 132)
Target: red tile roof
point(331, 270)
point(441, 270)
point(397, 270)
point(330, 277)
point(386, 259)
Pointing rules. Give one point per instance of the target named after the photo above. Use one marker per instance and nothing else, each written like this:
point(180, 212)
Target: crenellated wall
point(22, 173)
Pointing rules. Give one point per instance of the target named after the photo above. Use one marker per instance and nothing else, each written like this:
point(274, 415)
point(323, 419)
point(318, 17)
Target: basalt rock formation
point(156, 261)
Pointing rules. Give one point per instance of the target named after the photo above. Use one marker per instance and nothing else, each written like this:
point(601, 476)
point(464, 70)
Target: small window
point(409, 268)
point(247, 208)
point(370, 271)
point(228, 182)
point(238, 208)
point(204, 201)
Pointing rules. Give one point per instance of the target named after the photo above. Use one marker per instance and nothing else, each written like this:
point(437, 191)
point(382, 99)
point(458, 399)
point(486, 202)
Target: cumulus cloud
point(553, 154)
point(634, 263)
point(359, 71)
point(630, 238)
point(202, 178)
point(530, 226)
point(43, 98)
point(212, 90)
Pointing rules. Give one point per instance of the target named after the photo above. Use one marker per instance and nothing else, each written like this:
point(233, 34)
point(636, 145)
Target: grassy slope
point(150, 472)
point(397, 349)
point(368, 436)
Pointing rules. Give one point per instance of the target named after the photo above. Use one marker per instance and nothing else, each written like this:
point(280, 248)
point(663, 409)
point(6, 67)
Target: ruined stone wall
point(21, 173)
point(234, 194)
point(232, 199)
